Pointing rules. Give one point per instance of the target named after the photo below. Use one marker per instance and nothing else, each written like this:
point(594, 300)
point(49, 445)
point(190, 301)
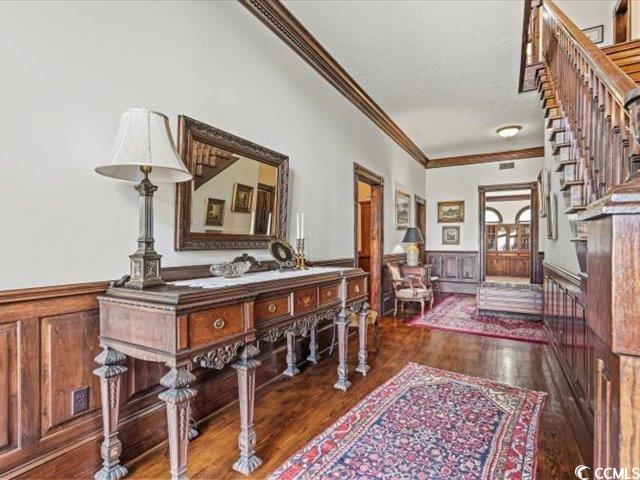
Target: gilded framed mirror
point(238, 196)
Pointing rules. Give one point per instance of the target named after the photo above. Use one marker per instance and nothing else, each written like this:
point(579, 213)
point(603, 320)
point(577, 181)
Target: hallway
point(290, 412)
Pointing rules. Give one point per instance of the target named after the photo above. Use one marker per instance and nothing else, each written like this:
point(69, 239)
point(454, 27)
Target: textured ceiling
point(445, 71)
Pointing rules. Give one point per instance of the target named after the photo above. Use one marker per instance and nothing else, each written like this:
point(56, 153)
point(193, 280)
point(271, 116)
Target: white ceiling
point(445, 71)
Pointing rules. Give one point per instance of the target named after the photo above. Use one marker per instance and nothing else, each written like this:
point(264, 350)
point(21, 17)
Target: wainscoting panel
point(573, 344)
point(8, 387)
point(458, 270)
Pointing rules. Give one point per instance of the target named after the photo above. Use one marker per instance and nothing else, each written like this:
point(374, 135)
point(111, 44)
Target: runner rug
point(430, 424)
point(457, 313)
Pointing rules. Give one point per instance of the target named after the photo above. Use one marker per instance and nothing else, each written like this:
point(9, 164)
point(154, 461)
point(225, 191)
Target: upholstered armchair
point(410, 288)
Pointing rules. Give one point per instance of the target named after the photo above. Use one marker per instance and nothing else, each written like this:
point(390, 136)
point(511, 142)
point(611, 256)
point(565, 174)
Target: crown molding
point(486, 157)
point(282, 22)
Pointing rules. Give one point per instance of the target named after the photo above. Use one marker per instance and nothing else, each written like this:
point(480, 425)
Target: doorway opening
point(368, 190)
point(508, 233)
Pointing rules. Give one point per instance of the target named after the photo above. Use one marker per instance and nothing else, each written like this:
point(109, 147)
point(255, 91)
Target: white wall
point(70, 69)
point(591, 13)
point(461, 183)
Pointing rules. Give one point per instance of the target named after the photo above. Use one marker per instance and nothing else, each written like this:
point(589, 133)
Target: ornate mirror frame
point(185, 239)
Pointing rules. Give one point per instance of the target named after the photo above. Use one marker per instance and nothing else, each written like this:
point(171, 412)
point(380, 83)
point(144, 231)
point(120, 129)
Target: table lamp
point(144, 152)
point(413, 236)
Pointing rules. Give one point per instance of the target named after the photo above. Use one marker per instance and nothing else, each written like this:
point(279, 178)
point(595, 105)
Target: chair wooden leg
point(395, 309)
point(431, 303)
point(422, 308)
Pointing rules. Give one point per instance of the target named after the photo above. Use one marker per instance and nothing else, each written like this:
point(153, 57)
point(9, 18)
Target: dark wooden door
point(264, 206)
point(364, 251)
point(421, 223)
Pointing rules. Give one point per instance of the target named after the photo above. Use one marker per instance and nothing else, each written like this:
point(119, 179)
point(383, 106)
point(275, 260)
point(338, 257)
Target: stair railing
point(596, 98)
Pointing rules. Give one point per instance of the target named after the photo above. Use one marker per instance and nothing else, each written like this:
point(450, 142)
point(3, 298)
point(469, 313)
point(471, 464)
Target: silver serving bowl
point(229, 269)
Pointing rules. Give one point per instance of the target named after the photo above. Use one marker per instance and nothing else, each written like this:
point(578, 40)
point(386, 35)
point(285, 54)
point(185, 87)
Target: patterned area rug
point(457, 313)
point(430, 424)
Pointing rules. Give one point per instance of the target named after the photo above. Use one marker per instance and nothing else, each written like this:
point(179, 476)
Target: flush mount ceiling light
point(508, 132)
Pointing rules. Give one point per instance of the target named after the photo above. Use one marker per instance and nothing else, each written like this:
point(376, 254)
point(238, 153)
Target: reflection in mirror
point(238, 196)
point(231, 193)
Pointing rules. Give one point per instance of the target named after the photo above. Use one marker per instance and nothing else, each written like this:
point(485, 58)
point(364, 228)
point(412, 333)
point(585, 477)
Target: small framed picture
point(595, 34)
point(242, 198)
point(451, 212)
point(451, 235)
point(403, 210)
point(214, 216)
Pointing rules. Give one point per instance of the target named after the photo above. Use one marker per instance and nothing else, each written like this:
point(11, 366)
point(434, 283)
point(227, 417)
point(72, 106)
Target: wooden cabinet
point(508, 249)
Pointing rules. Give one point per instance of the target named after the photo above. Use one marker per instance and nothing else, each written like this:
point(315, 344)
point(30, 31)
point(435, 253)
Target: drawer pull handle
point(328, 293)
point(272, 308)
point(219, 324)
point(306, 301)
point(356, 289)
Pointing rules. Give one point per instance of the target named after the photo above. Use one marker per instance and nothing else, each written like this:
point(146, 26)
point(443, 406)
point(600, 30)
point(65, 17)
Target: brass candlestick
point(301, 263)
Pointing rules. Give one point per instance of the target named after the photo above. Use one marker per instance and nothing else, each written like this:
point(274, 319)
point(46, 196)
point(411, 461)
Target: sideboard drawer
point(215, 324)
point(329, 294)
point(355, 287)
point(305, 300)
point(272, 308)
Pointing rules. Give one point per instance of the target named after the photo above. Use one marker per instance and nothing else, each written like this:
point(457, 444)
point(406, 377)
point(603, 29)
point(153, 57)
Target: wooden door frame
point(362, 174)
point(482, 202)
point(418, 200)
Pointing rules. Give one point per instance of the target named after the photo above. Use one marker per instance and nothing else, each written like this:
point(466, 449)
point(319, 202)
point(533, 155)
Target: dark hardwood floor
point(290, 412)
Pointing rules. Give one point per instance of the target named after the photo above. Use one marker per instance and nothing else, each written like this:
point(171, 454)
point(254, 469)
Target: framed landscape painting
point(403, 210)
point(451, 212)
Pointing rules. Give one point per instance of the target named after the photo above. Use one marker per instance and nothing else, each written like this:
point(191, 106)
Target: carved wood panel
point(69, 343)
point(458, 270)
point(8, 387)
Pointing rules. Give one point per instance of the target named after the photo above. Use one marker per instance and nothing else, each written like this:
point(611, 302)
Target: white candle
point(302, 225)
point(269, 224)
point(297, 226)
point(253, 223)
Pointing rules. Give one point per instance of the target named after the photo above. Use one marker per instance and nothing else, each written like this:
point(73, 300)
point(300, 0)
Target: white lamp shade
point(144, 140)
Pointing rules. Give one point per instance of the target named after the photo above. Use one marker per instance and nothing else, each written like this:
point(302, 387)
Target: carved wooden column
point(343, 382)
point(110, 374)
point(314, 356)
point(291, 370)
point(247, 461)
point(362, 367)
point(177, 398)
point(192, 431)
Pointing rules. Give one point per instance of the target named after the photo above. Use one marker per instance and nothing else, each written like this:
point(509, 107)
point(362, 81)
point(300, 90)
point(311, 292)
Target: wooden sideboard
point(207, 323)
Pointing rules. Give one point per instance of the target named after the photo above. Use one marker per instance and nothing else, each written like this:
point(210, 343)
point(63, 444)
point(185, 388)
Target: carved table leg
point(110, 374)
point(362, 367)
point(177, 398)
point(291, 370)
point(247, 461)
point(192, 430)
point(314, 356)
point(343, 382)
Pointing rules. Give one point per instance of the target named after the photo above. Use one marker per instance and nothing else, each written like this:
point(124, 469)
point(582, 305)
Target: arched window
point(524, 215)
point(491, 215)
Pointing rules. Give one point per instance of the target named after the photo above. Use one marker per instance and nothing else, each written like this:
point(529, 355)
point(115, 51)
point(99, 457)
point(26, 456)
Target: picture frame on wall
point(595, 34)
point(214, 215)
point(552, 217)
point(242, 198)
point(403, 210)
point(451, 212)
point(451, 235)
point(543, 189)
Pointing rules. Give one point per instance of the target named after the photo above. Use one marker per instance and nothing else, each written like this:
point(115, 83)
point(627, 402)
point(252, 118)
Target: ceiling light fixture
point(508, 132)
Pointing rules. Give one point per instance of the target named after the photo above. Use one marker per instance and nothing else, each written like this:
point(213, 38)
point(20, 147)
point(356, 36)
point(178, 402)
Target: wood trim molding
point(486, 157)
point(508, 198)
point(289, 29)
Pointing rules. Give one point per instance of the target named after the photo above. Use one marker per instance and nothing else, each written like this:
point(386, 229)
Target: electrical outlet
point(79, 400)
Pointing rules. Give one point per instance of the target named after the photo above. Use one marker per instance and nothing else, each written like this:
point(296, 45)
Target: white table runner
point(249, 278)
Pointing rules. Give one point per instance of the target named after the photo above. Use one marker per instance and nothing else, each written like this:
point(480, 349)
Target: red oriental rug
point(429, 424)
point(457, 313)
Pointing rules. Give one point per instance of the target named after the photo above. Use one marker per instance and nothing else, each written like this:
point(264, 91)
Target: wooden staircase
point(209, 162)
